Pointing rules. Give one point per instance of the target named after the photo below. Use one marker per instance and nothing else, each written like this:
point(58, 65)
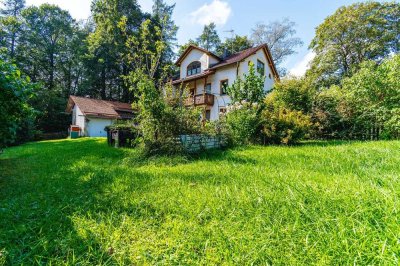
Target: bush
point(163, 117)
point(243, 123)
point(284, 126)
point(15, 112)
point(293, 93)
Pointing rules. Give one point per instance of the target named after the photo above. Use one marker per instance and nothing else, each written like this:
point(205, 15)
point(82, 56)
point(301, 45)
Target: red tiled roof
point(100, 108)
point(197, 76)
point(246, 53)
point(237, 57)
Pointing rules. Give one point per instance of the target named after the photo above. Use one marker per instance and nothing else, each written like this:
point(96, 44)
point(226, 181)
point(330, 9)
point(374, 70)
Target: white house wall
point(225, 73)
point(260, 55)
point(194, 55)
point(78, 119)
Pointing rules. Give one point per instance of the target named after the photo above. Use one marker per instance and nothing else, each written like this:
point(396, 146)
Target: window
point(222, 111)
point(270, 76)
point(208, 115)
point(191, 91)
point(194, 68)
point(223, 86)
point(207, 88)
point(260, 68)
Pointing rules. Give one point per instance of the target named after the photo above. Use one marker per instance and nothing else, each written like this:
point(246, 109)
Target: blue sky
point(239, 15)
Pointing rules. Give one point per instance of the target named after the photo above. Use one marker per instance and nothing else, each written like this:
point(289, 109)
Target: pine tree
point(209, 39)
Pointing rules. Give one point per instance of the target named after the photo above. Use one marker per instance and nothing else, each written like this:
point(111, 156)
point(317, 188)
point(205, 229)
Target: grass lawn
point(80, 202)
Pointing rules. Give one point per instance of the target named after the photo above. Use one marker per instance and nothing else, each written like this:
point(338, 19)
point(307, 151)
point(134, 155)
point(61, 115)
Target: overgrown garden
point(351, 90)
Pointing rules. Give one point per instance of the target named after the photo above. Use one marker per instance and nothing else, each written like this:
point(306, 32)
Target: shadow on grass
point(43, 189)
point(323, 143)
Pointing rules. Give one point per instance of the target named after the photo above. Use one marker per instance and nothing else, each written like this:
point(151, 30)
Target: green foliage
point(372, 96)
point(83, 203)
point(11, 25)
point(327, 114)
point(209, 39)
point(250, 88)
point(233, 45)
point(15, 112)
point(293, 93)
point(183, 47)
point(355, 33)
point(107, 46)
point(284, 126)
point(244, 123)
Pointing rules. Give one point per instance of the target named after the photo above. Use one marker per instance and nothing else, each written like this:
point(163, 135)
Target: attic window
point(194, 68)
point(260, 68)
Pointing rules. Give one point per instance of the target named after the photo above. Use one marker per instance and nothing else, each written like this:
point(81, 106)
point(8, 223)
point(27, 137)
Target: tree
point(373, 99)
point(293, 93)
point(234, 45)
point(47, 52)
point(47, 32)
point(209, 39)
point(12, 7)
point(15, 91)
point(353, 34)
point(249, 89)
point(162, 14)
point(279, 35)
point(10, 22)
point(183, 47)
point(107, 50)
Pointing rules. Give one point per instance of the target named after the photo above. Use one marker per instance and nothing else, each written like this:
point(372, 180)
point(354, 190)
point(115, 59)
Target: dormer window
point(194, 68)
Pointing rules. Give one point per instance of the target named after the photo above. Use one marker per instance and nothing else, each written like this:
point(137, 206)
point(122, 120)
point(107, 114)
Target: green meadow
point(79, 202)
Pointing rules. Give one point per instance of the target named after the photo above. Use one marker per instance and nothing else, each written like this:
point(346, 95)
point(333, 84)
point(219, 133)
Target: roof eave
point(190, 48)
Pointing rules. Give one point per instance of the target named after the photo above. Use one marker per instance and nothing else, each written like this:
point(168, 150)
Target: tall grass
point(81, 202)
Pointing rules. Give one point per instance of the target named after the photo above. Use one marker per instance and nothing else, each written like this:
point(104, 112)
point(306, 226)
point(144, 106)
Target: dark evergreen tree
point(209, 39)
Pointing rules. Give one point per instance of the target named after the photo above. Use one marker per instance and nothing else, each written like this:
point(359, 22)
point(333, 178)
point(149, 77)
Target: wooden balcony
point(200, 99)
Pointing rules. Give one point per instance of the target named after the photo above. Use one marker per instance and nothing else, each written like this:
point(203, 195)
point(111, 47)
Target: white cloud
point(218, 12)
point(301, 67)
point(79, 9)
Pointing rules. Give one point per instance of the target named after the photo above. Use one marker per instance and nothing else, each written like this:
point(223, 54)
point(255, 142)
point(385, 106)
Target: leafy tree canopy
point(15, 91)
point(353, 34)
point(234, 45)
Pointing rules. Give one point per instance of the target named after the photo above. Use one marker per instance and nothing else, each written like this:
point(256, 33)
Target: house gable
point(196, 54)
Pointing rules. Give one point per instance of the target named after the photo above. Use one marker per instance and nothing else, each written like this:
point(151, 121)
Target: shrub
point(284, 126)
point(250, 89)
point(163, 117)
point(243, 123)
point(294, 94)
point(15, 112)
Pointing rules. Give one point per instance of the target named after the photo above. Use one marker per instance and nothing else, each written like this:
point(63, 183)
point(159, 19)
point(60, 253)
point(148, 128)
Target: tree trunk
point(103, 83)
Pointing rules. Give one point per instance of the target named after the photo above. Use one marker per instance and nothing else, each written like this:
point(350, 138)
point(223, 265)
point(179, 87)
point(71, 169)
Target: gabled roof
point(190, 48)
point(235, 58)
point(100, 108)
point(193, 77)
point(238, 57)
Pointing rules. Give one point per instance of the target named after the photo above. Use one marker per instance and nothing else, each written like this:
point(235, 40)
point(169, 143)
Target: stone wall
point(195, 143)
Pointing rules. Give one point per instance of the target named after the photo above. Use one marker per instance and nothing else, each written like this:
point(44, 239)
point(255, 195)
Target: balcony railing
point(200, 99)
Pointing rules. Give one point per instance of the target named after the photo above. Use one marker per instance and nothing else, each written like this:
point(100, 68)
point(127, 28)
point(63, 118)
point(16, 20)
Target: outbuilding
point(93, 115)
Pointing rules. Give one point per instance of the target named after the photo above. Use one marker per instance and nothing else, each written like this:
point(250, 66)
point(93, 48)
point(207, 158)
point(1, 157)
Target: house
point(92, 115)
point(207, 75)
